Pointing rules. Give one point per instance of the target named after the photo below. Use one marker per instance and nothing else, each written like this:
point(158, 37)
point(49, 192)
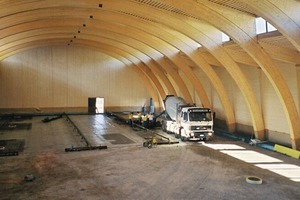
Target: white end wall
point(64, 77)
point(275, 120)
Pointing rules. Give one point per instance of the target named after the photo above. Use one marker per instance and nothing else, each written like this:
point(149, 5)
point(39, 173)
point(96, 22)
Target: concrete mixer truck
point(187, 122)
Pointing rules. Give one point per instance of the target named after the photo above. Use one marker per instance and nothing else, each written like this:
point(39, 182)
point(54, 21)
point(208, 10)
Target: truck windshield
point(200, 116)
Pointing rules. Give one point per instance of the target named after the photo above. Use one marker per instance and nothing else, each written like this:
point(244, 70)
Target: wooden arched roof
point(160, 37)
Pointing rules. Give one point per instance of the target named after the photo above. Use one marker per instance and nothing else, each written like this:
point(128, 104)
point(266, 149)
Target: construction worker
point(144, 120)
point(130, 116)
point(150, 119)
point(139, 115)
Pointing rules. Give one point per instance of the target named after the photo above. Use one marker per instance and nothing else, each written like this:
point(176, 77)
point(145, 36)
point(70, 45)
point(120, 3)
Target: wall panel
point(189, 85)
point(274, 115)
point(29, 79)
point(64, 77)
point(60, 77)
point(289, 73)
point(228, 84)
point(206, 85)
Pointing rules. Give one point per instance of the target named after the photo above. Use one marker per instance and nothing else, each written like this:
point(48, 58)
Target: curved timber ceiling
point(159, 38)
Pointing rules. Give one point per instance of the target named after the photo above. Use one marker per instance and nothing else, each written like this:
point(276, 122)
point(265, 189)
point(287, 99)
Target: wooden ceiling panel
point(234, 4)
point(16, 14)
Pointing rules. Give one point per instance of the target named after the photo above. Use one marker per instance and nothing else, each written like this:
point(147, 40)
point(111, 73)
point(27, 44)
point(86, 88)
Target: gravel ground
point(179, 171)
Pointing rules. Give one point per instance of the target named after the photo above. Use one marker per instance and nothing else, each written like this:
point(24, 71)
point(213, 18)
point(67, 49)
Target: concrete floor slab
point(130, 171)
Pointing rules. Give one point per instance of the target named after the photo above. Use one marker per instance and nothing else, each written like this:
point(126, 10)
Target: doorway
point(96, 105)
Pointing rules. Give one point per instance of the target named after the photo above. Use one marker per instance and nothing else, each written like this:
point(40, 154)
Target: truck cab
point(195, 123)
point(187, 121)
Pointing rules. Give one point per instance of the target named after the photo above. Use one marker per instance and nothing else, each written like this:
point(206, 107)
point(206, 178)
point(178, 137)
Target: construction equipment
point(150, 142)
point(187, 122)
point(85, 148)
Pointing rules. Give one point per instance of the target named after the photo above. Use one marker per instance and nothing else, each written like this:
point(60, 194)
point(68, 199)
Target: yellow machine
point(150, 142)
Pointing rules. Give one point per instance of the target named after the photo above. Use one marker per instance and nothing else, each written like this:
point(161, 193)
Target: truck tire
point(144, 144)
point(164, 126)
point(183, 139)
point(178, 135)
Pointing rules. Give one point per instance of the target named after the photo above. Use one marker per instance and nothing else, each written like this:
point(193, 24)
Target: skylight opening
point(262, 26)
point(270, 28)
point(225, 38)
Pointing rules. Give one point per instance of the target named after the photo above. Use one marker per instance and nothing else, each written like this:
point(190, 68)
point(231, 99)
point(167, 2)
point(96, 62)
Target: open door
point(95, 105)
point(99, 105)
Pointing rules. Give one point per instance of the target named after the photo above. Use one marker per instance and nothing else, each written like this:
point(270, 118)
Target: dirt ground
point(180, 171)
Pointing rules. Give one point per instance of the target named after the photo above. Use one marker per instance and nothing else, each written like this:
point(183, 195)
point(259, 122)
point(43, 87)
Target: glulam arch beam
point(85, 36)
point(270, 69)
point(234, 32)
point(217, 84)
point(204, 99)
point(190, 49)
point(282, 15)
point(70, 32)
point(58, 24)
point(179, 24)
point(243, 33)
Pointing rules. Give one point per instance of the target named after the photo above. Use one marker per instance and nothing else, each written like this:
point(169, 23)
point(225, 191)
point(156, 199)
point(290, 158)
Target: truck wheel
point(178, 135)
point(144, 144)
point(183, 139)
point(164, 126)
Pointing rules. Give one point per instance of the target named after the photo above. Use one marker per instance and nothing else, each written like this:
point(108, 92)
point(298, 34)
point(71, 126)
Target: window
point(270, 27)
point(200, 116)
point(185, 116)
point(262, 26)
point(199, 45)
point(225, 38)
